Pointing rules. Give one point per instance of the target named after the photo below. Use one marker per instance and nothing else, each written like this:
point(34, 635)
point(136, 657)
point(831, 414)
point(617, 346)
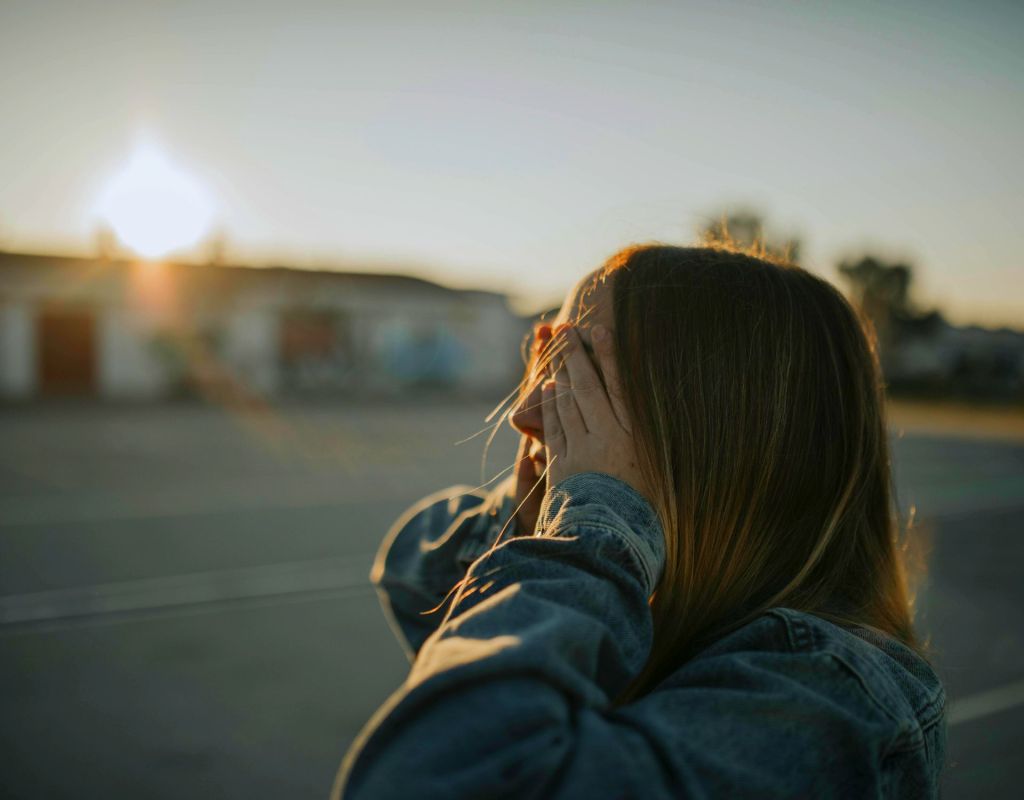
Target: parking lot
point(185, 608)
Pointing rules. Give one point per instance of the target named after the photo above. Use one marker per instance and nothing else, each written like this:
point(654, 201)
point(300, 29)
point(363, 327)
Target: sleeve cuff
point(492, 518)
point(587, 497)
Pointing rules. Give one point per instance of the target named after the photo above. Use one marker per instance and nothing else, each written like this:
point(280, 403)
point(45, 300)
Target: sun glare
point(153, 206)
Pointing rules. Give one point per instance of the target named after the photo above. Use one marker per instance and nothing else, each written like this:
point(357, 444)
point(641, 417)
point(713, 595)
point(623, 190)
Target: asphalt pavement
point(185, 609)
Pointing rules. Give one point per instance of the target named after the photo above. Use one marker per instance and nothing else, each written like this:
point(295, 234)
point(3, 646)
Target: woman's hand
point(586, 428)
point(529, 490)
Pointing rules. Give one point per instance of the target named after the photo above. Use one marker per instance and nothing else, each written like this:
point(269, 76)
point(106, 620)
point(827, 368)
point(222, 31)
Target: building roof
point(216, 276)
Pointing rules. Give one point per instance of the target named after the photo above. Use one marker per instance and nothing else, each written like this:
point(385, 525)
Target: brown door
point(66, 337)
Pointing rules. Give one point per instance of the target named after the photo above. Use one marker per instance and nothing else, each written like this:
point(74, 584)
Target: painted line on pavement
point(985, 704)
point(275, 584)
point(315, 577)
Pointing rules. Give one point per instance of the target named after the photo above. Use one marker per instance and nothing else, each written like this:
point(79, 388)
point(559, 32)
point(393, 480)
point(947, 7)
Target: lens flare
point(153, 206)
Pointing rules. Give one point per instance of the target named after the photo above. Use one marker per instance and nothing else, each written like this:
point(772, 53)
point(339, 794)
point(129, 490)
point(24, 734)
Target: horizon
point(518, 304)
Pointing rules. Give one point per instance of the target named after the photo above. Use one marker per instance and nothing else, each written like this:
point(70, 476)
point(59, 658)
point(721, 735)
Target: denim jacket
point(510, 683)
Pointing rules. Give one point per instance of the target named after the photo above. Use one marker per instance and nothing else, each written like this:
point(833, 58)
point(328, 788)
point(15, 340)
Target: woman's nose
point(528, 417)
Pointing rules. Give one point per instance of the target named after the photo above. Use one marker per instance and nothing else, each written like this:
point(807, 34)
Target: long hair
point(757, 403)
point(757, 406)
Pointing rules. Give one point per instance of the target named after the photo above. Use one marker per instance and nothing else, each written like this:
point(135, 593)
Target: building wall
point(153, 327)
point(129, 366)
point(492, 337)
point(251, 348)
point(17, 350)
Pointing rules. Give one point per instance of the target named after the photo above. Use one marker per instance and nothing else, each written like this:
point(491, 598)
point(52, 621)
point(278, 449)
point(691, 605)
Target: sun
point(154, 207)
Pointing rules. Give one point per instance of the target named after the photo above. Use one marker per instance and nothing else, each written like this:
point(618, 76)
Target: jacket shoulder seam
point(799, 634)
point(802, 636)
point(908, 735)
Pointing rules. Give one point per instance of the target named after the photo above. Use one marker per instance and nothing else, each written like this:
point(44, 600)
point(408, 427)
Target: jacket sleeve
point(510, 696)
point(513, 684)
point(428, 550)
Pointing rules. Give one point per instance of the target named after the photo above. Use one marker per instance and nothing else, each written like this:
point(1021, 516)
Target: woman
point(693, 584)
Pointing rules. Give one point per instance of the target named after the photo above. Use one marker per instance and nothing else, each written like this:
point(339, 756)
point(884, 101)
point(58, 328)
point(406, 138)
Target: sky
point(514, 146)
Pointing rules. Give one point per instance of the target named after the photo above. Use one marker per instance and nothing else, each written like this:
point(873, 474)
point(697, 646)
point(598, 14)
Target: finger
point(524, 469)
point(546, 351)
point(587, 391)
point(541, 337)
point(529, 491)
point(541, 333)
point(568, 411)
point(554, 436)
point(602, 339)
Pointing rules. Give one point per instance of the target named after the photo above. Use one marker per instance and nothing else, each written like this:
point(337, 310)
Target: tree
point(217, 247)
point(107, 246)
point(744, 228)
point(882, 291)
point(879, 288)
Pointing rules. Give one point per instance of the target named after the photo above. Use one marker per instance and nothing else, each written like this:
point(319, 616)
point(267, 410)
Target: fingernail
point(599, 333)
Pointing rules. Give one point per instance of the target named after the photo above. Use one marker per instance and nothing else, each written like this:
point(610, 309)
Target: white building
point(926, 351)
point(120, 329)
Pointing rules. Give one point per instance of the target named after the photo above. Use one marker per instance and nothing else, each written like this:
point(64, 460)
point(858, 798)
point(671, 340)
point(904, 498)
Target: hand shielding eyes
point(586, 427)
